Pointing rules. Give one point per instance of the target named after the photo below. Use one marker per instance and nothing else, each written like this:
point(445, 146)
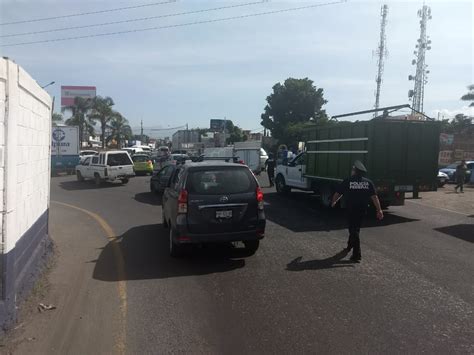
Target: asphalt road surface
point(117, 290)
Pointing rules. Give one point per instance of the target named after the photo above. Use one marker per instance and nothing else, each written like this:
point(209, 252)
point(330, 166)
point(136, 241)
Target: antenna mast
point(421, 75)
point(381, 53)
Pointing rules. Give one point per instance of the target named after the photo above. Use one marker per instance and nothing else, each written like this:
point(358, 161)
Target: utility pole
point(141, 131)
point(381, 53)
point(421, 75)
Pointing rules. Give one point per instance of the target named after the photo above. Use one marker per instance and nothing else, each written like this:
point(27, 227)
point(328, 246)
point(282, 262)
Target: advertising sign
point(65, 140)
point(446, 139)
point(68, 93)
point(217, 125)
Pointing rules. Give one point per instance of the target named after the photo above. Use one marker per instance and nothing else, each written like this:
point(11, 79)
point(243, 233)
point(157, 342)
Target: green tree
point(233, 133)
point(120, 130)
point(56, 118)
point(469, 96)
point(462, 123)
point(80, 110)
point(291, 106)
point(102, 112)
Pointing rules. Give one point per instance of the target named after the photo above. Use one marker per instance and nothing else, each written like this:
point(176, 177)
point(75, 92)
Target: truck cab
point(292, 175)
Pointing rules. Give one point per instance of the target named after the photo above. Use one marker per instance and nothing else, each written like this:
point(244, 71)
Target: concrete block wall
point(25, 138)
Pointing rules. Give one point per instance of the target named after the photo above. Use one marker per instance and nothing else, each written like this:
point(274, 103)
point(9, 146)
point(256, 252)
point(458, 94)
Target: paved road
point(413, 291)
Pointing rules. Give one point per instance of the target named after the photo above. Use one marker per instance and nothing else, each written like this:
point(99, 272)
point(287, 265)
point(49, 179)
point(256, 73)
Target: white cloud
point(446, 113)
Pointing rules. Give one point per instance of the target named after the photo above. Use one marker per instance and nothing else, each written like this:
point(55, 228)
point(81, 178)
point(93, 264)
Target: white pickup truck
point(106, 166)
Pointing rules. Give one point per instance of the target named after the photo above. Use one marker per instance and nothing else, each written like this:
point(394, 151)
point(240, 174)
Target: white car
point(443, 178)
point(106, 166)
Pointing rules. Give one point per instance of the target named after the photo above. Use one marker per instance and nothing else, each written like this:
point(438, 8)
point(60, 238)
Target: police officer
point(270, 167)
point(358, 191)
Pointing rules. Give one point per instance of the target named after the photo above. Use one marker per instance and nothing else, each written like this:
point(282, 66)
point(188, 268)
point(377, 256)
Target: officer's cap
point(359, 166)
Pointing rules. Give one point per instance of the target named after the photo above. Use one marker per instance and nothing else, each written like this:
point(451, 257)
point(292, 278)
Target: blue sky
point(191, 74)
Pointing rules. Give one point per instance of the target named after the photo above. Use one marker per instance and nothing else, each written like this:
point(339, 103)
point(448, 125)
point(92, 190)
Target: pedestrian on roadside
point(461, 171)
point(270, 167)
point(358, 191)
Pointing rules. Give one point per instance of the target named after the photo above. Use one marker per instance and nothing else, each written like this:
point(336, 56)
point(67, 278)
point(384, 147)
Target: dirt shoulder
point(446, 198)
point(86, 317)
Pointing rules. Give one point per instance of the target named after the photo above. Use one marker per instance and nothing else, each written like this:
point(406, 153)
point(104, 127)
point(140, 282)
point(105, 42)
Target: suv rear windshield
point(117, 159)
point(220, 181)
point(140, 158)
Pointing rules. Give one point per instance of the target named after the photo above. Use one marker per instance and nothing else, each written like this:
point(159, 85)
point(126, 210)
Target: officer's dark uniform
point(270, 165)
point(357, 191)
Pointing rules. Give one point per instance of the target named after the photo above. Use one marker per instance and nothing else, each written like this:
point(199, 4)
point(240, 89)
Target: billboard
point(68, 93)
point(217, 125)
point(65, 140)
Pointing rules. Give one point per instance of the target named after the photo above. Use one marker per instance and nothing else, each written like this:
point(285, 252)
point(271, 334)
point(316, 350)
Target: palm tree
point(102, 112)
point(469, 96)
point(80, 110)
point(120, 129)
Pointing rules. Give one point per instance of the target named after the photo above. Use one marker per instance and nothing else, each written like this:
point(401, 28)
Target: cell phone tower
point(421, 75)
point(381, 54)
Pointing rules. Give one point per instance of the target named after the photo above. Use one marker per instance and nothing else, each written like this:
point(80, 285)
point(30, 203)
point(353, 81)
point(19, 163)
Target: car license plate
point(404, 188)
point(224, 214)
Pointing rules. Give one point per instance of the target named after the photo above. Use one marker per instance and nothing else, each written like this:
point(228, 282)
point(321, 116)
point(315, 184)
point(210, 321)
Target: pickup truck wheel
point(97, 179)
point(176, 250)
point(124, 181)
point(79, 176)
point(281, 185)
point(251, 246)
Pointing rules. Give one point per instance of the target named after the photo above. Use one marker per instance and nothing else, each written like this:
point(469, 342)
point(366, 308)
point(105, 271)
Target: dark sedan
point(213, 202)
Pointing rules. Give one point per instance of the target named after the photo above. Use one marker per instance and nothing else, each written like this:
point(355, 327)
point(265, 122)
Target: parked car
point(160, 178)
point(442, 179)
point(106, 166)
point(212, 202)
point(450, 170)
point(142, 164)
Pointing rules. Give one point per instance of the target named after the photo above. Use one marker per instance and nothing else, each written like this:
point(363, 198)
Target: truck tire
point(79, 176)
point(97, 180)
point(125, 181)
point(281, 185)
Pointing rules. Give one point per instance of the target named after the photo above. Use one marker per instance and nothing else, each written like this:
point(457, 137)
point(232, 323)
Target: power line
point(87, 13)
point(133, 20)
point(175, 25)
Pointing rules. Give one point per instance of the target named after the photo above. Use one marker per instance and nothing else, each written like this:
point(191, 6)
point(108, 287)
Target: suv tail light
point(183, 201)
point(260, 198)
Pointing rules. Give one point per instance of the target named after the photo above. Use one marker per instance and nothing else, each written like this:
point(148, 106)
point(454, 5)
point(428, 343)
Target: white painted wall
point(25, 138)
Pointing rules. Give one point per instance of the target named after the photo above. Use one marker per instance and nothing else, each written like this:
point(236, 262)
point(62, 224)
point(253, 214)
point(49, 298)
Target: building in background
point(182, 138)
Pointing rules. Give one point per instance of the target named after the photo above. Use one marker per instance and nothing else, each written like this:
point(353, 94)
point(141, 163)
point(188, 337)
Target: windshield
point(140, 158)
point(117, 159)
point(221, 181)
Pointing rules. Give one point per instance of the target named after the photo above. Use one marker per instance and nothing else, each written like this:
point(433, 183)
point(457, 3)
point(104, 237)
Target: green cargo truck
point(400, 155)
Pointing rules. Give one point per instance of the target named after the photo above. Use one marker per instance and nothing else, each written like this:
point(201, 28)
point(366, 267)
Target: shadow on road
point(146, 256)
point(86, 185)
point(334, 261)
point(461, 231)
point(148, 198)
point(302, 212)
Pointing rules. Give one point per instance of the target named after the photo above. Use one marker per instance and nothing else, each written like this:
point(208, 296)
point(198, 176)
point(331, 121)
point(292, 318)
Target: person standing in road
point(270, 167)
point(358, 191)
point(461, 171)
